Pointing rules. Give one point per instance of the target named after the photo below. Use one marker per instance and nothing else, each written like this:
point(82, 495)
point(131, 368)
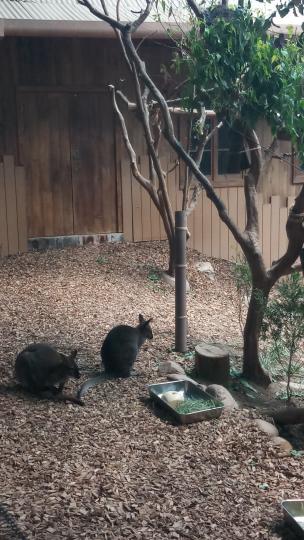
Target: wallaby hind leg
point(60, 387)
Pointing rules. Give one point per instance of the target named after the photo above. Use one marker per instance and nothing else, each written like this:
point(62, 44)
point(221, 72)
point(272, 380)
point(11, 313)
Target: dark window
point(232, 157)
point(206, 163)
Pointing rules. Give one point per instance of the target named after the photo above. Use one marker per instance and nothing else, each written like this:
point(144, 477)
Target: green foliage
point(243, 282)
point(297, 453)
point(101, 260)
point(237, 70)
point(153, 276)
point(269, 360)
point(283, 324)
point(242, 276)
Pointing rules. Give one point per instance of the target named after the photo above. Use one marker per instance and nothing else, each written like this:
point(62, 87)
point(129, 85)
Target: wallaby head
point(144, 327)
point(70, 364)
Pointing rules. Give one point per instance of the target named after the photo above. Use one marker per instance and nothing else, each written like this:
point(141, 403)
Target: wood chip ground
point(116, 469)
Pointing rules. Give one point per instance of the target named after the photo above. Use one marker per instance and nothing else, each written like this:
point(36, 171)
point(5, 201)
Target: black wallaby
point(119, 351)
point(39, 368)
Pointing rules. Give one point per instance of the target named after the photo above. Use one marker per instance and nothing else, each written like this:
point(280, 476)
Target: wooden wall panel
point(224, 233)
point(136, 206)
point(45, 150)
point(215, 227)
point(127, 210)
point(3, 218)
point(207, 224)
point(92, 136)
point(13, 222)
point(266, 238)
point(21, 208)
point(282, 232)
point(233, 213)
point(145, 202)
point(275, 228)
point(198, 225)
point(11, 204)
point(49, 71)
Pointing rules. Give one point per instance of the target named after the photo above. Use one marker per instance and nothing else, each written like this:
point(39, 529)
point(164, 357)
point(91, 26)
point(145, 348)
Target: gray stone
point(222, 394)
point(171, 281)
point(282, 444)
point(169, 366)
point(206, 268)
point(267, 428)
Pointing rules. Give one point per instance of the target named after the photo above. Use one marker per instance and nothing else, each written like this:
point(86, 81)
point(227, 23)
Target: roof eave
point(51, 28)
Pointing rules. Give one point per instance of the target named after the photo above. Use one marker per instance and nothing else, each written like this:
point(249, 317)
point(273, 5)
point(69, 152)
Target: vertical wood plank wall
point(13, 221)
point(208, 234)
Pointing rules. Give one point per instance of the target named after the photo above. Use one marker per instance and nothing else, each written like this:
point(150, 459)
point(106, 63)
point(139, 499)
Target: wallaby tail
point(90, 383)
point(68, 397)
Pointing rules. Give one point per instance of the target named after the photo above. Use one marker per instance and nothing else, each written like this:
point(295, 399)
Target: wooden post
point(180, 281)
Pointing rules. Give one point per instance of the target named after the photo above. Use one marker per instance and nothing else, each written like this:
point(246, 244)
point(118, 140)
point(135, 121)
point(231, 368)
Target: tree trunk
point(252, 368)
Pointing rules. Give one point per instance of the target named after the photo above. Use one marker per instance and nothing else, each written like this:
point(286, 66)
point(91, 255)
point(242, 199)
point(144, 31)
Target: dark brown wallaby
point(119, 351)
point(39, 368)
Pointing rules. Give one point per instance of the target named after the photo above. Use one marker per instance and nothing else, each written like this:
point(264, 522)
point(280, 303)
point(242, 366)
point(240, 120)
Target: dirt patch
point(116, 468)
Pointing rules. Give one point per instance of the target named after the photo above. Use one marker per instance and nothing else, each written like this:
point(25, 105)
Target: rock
point(222, 394)
point(180, 377)
point(275, 388)
point(169, 366)
point(171, 281)
point(206, 268)
point(282, 444)
point(267, 428)
point(212, 362)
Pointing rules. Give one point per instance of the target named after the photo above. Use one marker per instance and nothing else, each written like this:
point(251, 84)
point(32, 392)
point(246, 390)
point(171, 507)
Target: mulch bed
point(117, 468)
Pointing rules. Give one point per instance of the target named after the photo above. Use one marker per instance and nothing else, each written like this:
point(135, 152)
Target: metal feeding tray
point(293, 510)
point(190, 391)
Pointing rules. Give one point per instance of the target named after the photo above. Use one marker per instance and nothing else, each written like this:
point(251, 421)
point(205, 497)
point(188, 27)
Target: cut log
point(212, 363)
point(290, 415)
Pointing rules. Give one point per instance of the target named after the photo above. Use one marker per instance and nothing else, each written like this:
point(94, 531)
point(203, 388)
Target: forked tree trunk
point(252, 368)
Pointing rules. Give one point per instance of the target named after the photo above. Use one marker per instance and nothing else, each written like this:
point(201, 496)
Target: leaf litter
point(116, 468)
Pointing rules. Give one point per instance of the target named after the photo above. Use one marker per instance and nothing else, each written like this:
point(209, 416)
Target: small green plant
point(243, 283)
point(297, 453)
point(283, 325)
point(153, 276)
point(269, 360)
point(101, 260)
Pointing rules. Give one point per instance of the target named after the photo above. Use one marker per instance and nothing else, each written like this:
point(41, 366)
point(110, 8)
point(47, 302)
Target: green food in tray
point(195, 405)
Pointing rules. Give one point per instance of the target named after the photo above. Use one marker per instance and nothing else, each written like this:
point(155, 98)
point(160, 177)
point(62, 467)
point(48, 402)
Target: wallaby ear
point(73, 354)
point(141, 319)
point(150, 320)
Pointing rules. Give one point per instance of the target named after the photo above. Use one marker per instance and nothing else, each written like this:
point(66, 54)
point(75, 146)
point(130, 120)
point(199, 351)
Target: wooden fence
point(13, 222)
point(209, 235)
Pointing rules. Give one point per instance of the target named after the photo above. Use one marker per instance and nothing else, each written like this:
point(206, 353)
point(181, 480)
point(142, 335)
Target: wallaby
point(39, 368)
point(119, 351)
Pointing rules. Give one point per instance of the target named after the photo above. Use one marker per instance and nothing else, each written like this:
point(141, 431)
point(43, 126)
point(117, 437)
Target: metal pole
point(180, 281)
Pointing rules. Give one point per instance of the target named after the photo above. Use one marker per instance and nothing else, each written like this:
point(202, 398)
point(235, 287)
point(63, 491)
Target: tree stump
point(212, 362)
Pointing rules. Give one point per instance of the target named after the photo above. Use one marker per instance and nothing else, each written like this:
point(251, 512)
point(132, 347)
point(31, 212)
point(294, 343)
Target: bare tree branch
point(213, 131)
point(112, 22)
point(170, 136)
point(132, 27)
point(198, 12)
point(132, 155)
point(250, 182)
point(295, 234)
